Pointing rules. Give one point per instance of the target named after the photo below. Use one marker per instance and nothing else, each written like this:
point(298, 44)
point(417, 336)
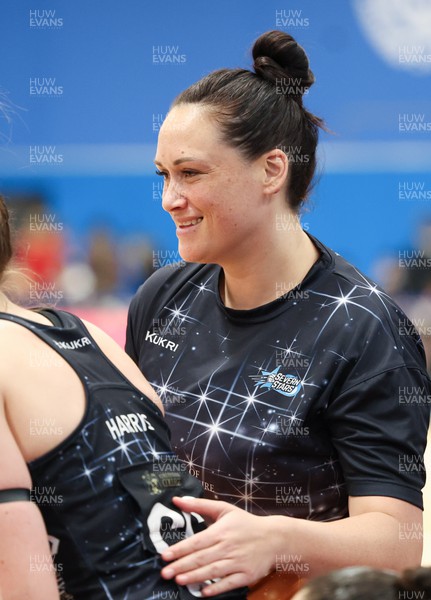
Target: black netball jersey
point(290, 407)
point(105, 491)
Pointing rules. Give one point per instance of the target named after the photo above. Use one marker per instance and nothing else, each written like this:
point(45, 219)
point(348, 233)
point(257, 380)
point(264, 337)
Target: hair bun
point(279, 59)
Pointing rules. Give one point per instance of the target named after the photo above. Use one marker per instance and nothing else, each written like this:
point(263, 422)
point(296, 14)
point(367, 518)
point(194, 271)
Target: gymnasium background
point(85, 86)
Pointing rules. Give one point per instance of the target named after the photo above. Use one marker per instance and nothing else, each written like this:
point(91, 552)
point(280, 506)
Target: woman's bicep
point(408, 521)
point(27, 571)
point(26, 567)
point(13, 469)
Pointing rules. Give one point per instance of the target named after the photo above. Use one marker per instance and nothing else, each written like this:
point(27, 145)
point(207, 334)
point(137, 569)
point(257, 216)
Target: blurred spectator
point(103, 260)
point(418, 277)
point(39, 239)
point(415, 293)
point(407, 278)
point(137, 264)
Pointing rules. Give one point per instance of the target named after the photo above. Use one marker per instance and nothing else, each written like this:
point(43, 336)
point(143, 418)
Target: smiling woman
point(290, 361)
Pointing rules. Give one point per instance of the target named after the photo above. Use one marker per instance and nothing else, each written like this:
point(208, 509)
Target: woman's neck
point(272, 273)
point(11, 308)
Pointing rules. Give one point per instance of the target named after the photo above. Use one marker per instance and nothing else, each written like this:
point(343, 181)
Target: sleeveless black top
point(105, 491)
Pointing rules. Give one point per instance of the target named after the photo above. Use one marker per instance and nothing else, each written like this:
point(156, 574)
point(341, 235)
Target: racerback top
point(105, 490)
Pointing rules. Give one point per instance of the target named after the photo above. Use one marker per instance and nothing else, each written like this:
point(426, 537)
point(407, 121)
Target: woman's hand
point(235, 549)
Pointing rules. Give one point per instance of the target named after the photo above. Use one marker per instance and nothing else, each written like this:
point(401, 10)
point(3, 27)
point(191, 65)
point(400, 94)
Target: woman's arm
point(241, 548)
point(26, 568)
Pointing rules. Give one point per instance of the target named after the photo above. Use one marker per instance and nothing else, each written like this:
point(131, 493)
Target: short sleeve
point(379, 429)
point(141, 310)
point(130, 346)
point(151, 295)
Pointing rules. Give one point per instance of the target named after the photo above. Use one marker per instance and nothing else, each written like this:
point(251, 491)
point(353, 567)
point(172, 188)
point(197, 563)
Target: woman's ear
point(276, 168)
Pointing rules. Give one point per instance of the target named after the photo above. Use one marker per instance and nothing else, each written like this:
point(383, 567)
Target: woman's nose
point(172, 196)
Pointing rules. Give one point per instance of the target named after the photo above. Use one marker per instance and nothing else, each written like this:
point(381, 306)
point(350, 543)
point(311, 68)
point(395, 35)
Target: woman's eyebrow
point(179, 160)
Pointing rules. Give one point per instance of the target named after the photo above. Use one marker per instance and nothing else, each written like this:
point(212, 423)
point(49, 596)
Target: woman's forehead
point(189, 128)
point(186, 116)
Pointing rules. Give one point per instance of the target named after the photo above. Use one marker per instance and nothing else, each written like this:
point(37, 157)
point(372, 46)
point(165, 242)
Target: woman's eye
point(185, 173)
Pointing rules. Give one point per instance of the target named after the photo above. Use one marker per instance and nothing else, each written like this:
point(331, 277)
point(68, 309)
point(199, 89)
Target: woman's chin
point(191, 255)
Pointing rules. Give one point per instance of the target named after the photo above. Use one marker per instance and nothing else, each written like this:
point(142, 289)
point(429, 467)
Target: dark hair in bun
point(279, 59)
point(262, 110)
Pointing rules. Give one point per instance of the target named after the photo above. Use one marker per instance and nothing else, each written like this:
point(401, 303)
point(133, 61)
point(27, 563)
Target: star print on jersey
point(270, 397)
point(288, 385)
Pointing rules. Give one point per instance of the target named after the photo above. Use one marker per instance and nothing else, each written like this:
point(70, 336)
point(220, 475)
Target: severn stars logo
point(288, 385)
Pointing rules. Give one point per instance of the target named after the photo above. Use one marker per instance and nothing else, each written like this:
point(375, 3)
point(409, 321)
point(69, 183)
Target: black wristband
point(14, 495)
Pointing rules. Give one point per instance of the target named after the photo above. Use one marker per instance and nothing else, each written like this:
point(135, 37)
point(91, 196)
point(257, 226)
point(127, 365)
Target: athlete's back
point(83, 430)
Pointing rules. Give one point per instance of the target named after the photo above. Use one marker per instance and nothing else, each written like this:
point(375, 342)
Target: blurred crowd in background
point(407, 278)
point(93, 274)
point(68, 269)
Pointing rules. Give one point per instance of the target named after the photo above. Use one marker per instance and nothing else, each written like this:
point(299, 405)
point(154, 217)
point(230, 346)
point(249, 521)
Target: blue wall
point(106, 60)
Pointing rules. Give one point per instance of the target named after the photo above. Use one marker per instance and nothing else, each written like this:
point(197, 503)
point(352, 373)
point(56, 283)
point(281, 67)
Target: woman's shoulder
point(11, 330)
point(176, 275)
point(357, 312)
point(344, 285)
point(167, 282)
point(17, 350)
